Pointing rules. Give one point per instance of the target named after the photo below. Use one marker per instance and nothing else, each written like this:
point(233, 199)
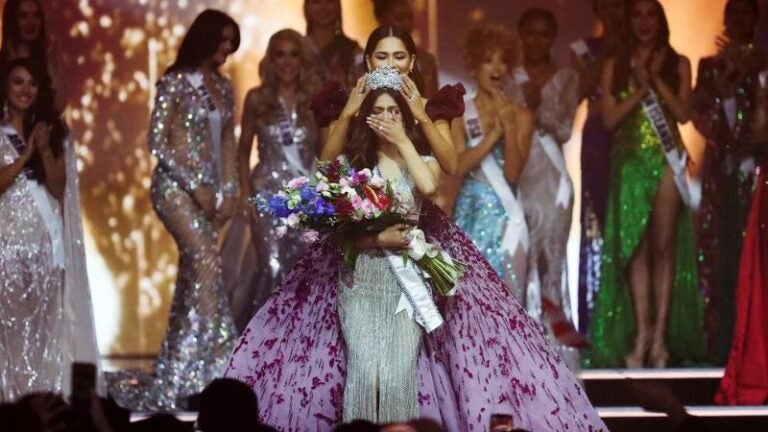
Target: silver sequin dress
point(549, 222)
point(254, 264)
point(200, 331)
point(382, 347)
point(32, 338)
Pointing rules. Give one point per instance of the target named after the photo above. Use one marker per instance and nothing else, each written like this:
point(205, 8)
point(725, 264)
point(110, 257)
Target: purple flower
point(278, 205)
point(308, 193)
point(298, 182)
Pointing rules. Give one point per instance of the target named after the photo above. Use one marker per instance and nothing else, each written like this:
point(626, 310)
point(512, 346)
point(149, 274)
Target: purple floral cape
point(489, 356)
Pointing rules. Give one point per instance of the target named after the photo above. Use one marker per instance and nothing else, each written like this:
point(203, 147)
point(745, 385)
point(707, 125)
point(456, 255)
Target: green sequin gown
point(637, 164)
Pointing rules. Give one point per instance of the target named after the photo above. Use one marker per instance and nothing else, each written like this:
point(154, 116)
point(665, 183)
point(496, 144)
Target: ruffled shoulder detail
point(447, 103)
point(328, 102)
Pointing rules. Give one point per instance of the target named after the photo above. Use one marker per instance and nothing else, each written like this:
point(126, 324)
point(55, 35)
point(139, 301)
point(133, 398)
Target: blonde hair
point(308, 80)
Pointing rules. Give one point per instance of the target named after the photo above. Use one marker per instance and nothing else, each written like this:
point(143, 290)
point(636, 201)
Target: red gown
point(746, 376)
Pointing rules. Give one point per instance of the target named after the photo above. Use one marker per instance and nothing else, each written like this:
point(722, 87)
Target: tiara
point(384, 77)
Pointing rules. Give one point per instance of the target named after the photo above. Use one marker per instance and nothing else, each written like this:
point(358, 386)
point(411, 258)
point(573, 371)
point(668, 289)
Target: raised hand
point(206, 199)
point(356, 97)
point(389, 129)
point(411, 94)
point(657, 61)
point(504, 109)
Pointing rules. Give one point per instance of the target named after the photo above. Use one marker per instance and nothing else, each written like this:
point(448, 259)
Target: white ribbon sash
point(214, 121)
point(689, 188)
point(581, 49)
point(53, 223)
point(286, 125)
point(416, 298)
point(551, 149)
point(516, 231)
point(555, 155)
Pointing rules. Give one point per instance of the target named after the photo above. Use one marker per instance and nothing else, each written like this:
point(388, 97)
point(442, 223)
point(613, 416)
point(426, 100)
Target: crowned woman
point(332, 343)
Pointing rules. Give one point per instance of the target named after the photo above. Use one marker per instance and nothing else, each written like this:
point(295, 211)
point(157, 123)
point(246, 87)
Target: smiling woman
point(277, 114)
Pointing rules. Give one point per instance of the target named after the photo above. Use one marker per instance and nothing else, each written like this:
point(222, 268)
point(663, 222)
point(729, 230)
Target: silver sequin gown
point(32, 338)
point(200, 333)
point(46, 317)
point(254, 264)
point(548, 223)
point(382, 347)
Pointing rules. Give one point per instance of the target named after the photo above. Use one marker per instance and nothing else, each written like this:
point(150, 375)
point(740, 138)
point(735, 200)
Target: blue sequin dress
point(480, 213)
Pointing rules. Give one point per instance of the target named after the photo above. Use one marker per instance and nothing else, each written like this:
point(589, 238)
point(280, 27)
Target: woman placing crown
point(329, 344)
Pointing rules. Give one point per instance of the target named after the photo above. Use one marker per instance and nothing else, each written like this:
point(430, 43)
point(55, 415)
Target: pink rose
point(298, 182)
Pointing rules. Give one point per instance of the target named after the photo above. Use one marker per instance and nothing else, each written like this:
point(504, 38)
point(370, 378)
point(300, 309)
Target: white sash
point(581, 49)
point(286, 126)
point(689, 188)
point(53, 223)
point(555, 155)
point(551, 149)
point(516, 231)
point(214, 121)
point(416, 298)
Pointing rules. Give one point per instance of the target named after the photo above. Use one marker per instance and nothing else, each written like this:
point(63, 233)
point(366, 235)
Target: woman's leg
point(664, 223)
point(200, 324)
point(639, 276)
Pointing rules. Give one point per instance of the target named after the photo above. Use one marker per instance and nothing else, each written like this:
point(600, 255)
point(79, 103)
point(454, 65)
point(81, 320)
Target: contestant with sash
point(194, 192)
point(745, 381)
point(544, 186)
point(333, 343)
point(46, 319)
point(277, 113)
point(588, 56)
point(649, 289)
point(492, 140)
point(723, 111)
point(337, 57)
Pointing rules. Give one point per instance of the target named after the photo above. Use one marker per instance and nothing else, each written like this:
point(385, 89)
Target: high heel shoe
point(636, 358)
point(659, 355)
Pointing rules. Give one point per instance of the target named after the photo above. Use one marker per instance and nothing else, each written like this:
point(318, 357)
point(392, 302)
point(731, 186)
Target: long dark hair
point(340, 50)
point(623, 67)
point(203, 39)
point(42, 110)
point(12, 32)
point(382, 32)
point(363, 145)
point(751, 3)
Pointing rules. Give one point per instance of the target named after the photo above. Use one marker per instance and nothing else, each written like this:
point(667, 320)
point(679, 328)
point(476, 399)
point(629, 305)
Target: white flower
point(281, 231)
point(292, 220)
point(377, 182)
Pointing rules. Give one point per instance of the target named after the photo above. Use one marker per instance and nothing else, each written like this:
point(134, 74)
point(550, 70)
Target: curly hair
point(363, 145)
point(483, 41)
point(308, 82)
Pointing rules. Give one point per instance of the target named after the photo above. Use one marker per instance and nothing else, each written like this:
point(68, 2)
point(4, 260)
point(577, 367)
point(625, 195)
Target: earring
point(337, 27)
point(5, 110)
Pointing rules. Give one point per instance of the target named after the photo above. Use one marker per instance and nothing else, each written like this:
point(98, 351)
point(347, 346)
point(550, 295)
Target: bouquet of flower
point(343, 201)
